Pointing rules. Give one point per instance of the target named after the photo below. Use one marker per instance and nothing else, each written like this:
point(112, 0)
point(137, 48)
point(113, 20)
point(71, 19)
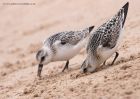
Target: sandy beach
point(23, 28)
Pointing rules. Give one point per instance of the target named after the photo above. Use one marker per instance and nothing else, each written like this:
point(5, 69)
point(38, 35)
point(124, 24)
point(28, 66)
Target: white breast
point(67, 52)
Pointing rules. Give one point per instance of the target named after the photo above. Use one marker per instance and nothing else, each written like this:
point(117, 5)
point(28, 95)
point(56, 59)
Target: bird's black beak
point(40, 66)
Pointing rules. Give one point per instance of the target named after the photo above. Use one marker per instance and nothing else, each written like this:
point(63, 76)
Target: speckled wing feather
point(113, 27)
point(72, 38)
point(108, 33)
point(94, 42)
point(52, 39)
point(111, 31)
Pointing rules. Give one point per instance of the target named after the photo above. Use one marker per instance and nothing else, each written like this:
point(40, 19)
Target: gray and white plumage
point(105, 40)
point(62, 47)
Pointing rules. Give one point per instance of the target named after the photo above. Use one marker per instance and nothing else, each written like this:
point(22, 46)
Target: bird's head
point(43, 56)
point(89, 65)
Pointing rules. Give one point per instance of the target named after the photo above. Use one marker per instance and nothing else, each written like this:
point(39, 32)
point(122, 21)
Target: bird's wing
point(111, 33)
point(107, 34)
point(72, 38)
point(54, 38)
point(113, 27)
point(94, 42)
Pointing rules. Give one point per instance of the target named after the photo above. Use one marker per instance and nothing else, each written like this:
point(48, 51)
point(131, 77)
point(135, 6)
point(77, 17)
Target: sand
point(24, 27)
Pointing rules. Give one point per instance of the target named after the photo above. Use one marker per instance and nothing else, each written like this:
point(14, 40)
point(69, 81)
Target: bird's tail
point(122, 14)
point(90, 28)
point(125, 10)
point(87, 31)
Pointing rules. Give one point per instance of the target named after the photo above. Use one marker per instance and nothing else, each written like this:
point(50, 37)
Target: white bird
point(62, 47)
point(104, 42)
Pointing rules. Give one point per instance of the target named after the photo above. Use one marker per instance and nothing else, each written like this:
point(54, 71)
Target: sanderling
point(62, 47)
point(104, 41)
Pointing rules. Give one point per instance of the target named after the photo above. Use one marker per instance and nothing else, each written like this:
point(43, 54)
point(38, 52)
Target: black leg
point(104, 62)
point(66, 66)
point(117, 54)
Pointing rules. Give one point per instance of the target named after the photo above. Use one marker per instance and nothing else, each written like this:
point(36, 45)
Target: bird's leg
point(66, 66)
point(104, 62)
point(117, 54)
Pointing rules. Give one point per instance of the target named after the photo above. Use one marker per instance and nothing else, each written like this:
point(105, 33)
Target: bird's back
point(107, 35)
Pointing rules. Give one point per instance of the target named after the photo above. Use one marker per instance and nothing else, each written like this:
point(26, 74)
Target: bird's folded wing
point(72, 38)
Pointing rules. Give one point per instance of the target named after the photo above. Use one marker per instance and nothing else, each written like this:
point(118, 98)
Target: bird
point(104, 41)
point(62, 46)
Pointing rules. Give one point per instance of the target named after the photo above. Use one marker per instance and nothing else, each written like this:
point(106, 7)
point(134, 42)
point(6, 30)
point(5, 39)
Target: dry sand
point(23, 27)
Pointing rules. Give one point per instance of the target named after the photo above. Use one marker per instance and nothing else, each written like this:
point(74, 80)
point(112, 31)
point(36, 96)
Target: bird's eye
point(63, 42)
point(85, 70)
point(42, 58)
